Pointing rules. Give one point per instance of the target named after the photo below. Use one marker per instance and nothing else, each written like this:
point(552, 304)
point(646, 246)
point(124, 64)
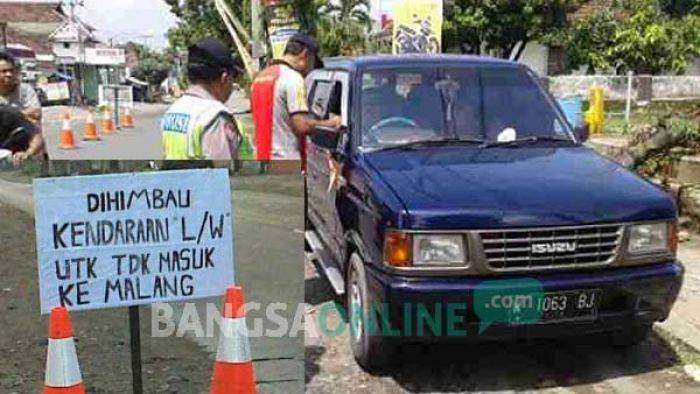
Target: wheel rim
point(356, 311)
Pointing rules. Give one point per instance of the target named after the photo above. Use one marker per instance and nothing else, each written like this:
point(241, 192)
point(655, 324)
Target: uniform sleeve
point(295, 94)
point(29, 99)
point(221, 139)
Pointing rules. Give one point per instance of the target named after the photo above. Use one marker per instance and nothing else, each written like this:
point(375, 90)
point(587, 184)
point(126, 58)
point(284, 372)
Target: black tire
point(372, 351)
point(631, 337)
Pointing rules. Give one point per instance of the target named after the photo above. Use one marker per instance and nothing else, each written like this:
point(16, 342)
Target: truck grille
point(551, 248)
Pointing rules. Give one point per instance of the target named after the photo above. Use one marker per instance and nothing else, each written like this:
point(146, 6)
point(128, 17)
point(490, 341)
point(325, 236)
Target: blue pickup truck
point(458, 203)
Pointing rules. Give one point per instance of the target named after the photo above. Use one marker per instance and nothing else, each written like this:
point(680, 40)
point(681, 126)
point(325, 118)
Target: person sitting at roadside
point(21, 96)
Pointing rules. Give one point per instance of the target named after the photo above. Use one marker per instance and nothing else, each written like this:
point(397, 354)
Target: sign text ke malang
point(128, 239)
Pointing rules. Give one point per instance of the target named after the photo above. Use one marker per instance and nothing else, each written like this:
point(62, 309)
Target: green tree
point(307, 13)
point(644, 36)
point(198, 19)
point(501, 26)
point(153, 66)
point(343, 26)
point(656, 36)
point(588, 40)
point(348, 10)
point(340, 27)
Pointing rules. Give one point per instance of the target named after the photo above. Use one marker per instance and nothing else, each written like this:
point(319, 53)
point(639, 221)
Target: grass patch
point(245, 127)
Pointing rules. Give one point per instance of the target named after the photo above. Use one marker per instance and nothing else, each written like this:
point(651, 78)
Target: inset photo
point(120, 276)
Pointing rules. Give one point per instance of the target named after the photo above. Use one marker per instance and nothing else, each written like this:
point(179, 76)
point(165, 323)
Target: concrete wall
point(675, 87)
point(662, 87)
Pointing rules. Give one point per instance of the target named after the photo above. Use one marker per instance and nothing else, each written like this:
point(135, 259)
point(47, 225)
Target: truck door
point(328, 94)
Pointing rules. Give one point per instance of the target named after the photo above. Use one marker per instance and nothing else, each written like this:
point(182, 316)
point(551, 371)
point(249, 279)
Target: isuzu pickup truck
point(459, 203)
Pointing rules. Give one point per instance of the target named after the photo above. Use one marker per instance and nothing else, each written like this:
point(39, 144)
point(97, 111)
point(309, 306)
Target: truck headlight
point(651, 238)
point(405, 250)
point(438, 250)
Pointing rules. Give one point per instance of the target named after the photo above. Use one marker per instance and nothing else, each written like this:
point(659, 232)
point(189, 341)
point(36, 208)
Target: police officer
point(199, 126)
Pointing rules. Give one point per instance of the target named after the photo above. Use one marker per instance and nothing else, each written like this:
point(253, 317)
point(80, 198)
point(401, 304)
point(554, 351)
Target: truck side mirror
point(326, 137)
point(582, 132)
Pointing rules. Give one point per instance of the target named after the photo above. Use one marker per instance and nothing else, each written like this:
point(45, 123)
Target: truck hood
point(467, 187)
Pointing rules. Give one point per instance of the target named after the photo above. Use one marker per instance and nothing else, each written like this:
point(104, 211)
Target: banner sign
point(417, 26)
point(55, 91)
point(131, 239)
point(281, 25)
point(105, 56)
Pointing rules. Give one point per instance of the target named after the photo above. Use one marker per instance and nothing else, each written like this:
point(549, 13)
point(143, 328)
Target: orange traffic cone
point(233, 369)
point(91, 128)
point(107, 122)
point(128, 119)
point(67, 140)
point(62, 369)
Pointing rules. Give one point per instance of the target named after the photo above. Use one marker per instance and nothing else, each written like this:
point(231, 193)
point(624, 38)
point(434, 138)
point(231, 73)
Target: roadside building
point(25, 27)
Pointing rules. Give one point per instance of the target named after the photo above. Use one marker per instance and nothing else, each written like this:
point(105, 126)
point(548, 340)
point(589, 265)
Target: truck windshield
point(476, 103)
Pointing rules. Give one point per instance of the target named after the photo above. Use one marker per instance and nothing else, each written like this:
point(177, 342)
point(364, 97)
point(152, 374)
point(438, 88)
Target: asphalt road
point(269, 261)
point(143, 142)
point(140, 143)
point(584, 365)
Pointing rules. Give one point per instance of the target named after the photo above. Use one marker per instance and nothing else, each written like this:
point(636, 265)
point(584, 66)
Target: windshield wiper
point(438, 142)
point(526, 140)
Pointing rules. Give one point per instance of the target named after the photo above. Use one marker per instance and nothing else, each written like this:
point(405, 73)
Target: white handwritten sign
point(129, 239)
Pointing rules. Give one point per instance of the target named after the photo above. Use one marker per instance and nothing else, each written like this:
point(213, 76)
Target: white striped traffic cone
point(62, 368)
point(233, 369)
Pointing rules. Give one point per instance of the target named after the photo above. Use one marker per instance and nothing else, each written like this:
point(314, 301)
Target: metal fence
point(631, 89)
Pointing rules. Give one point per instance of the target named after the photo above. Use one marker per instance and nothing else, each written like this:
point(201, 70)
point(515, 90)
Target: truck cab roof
point(351, 64)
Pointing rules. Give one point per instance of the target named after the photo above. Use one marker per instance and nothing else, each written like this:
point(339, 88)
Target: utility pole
point(80, 58)
point(3, 27)
point(256, 33)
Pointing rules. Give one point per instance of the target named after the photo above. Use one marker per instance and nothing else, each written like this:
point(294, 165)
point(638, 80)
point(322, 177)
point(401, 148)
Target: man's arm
point(221, 140)
point(304, 125)
point(31, 106)
point(33, 114)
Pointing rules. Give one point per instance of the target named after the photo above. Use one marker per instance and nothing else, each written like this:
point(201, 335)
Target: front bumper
point(630, 296)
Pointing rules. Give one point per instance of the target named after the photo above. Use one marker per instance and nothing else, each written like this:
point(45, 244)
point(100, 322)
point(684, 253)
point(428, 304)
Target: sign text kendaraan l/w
point(122, 246)
point(133, 232)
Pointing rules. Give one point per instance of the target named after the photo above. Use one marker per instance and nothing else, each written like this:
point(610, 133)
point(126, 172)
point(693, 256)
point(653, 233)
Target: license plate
point(568, 306)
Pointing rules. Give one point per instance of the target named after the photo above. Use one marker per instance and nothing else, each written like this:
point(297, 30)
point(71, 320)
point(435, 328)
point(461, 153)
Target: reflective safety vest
point(184, 124)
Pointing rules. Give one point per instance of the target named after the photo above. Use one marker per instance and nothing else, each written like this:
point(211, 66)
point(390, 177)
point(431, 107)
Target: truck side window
point(319, 98)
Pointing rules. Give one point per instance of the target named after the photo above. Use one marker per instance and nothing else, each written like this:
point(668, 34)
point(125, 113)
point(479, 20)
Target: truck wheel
point(371, 350)
point(631, 337)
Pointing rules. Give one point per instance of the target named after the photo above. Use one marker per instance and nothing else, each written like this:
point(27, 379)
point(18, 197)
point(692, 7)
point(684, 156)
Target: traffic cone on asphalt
point(107, 122)
point(128, 119)
point(233, 369)
point(67, 139)
point(62, 369)
point(91, 128)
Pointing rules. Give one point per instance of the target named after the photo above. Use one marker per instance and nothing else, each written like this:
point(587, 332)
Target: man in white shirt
point(280, 110)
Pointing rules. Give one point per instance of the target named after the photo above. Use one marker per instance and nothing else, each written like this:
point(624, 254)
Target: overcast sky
point(129, 20)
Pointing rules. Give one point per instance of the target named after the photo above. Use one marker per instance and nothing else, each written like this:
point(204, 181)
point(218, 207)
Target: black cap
point(212, 52)
point(305, 40)
point(310, 44)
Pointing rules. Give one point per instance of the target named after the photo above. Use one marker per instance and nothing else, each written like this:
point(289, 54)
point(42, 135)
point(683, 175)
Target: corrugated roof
point(34, 28)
